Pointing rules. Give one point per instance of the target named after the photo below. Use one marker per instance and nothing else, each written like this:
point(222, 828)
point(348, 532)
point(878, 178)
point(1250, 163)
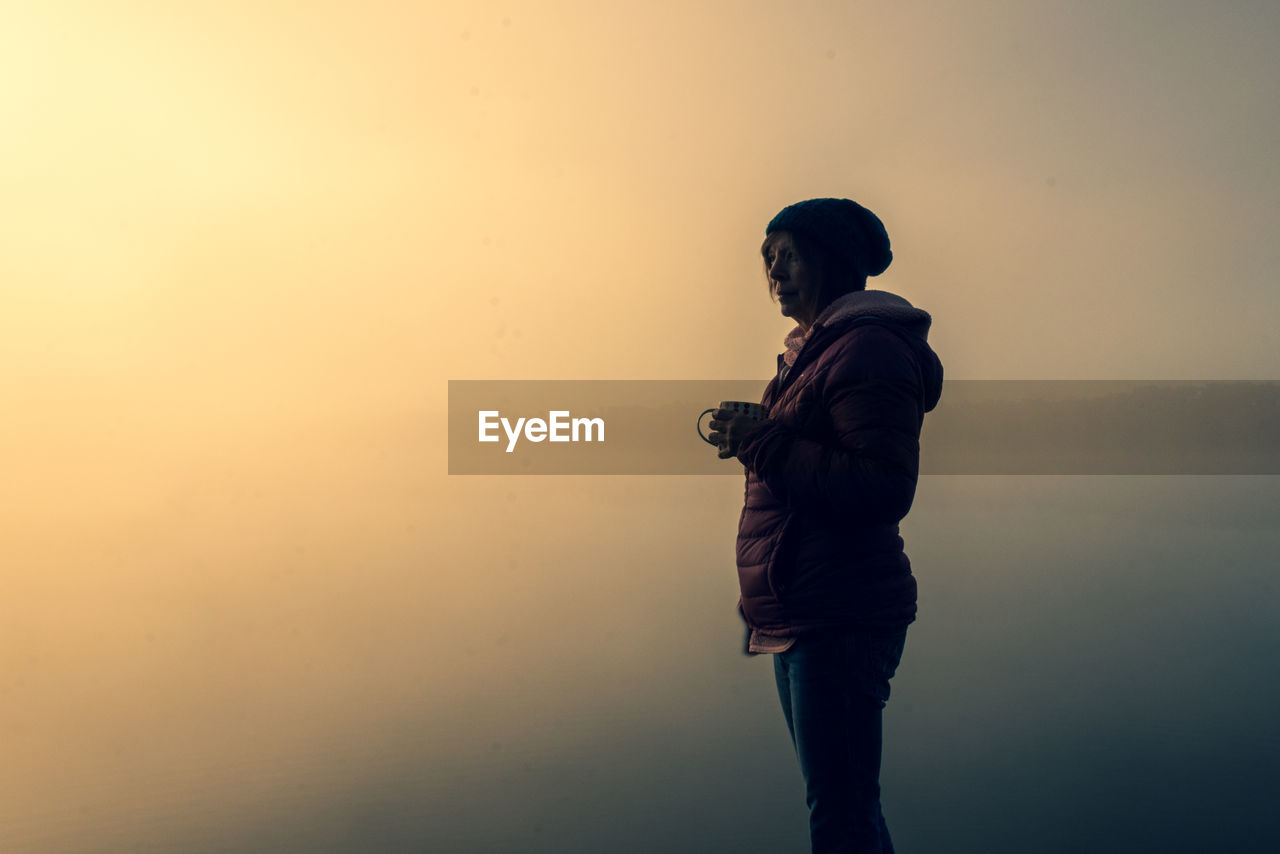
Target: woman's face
point(794, 281)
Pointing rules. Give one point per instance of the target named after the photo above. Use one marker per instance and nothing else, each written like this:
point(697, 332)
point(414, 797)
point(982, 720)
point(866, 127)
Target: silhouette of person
point(830, 472)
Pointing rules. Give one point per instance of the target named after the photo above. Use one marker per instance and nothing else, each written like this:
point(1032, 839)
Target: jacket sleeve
point(865, 471)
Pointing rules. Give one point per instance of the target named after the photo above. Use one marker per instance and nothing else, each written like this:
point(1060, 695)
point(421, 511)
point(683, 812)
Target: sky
point(245, 246)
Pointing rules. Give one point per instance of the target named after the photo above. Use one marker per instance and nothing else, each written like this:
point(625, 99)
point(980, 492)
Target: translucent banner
point(1050, 427)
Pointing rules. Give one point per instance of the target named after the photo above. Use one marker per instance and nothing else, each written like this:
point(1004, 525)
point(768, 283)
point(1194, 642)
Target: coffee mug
point(754, 411)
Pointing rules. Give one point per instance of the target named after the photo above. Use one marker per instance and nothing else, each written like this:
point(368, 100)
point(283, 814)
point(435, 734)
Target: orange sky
point(243, 246)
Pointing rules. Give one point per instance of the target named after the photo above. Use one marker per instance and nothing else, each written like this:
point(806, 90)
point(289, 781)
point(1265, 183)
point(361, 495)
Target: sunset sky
point(245, 245)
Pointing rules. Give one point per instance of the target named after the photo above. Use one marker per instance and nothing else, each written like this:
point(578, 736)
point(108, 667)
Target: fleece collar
point(856, 304)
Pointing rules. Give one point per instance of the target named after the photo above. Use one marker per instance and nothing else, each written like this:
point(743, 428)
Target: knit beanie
point(842, 226)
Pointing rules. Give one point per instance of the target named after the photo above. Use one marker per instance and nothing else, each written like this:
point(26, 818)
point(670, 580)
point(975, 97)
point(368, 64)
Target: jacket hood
point(884, 308)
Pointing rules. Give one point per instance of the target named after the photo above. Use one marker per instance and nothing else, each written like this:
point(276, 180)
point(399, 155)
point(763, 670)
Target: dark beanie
point(842, 226)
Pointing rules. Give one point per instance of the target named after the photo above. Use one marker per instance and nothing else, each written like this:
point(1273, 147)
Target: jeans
point(833, 688)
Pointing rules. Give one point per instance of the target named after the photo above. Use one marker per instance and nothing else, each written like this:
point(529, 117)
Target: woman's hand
point(728, 429)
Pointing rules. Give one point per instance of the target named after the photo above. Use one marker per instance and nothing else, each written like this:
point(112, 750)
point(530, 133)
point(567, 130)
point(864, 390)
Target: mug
point(754, 411)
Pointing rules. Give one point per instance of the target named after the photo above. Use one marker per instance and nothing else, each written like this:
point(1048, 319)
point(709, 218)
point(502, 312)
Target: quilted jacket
point(832, 471)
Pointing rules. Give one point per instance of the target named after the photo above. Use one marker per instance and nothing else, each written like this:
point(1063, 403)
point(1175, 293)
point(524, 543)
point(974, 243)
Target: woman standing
point(826, 587)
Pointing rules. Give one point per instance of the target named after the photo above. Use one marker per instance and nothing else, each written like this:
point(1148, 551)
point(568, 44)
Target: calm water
point(384, 660)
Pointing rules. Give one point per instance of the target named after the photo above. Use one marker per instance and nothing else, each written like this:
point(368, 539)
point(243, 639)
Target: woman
point(826, 587)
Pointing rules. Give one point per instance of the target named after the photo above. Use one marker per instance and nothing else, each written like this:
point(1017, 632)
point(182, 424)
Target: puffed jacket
point(832, 471)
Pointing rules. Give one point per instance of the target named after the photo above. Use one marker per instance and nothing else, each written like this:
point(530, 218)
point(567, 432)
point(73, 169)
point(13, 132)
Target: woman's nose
point(776, 271)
